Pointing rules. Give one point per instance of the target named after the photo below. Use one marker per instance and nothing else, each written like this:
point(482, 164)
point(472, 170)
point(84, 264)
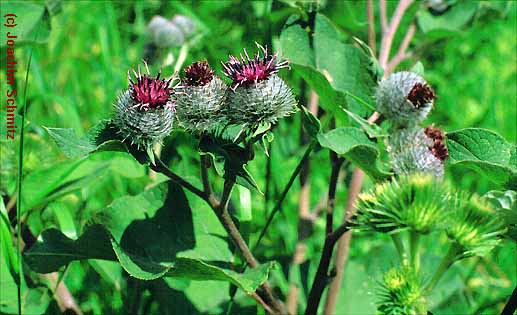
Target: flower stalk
point(446, 262)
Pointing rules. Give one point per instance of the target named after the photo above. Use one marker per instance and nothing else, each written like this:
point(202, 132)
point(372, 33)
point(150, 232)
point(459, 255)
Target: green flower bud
point(474, 226)
point(402, 293)
point(144, 112)
point(405, 98)
point(417, 203)
point(416, 149)
point(200, 99)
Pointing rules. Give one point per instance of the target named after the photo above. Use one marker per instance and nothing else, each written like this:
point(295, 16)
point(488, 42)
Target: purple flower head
point(438, 148)
point(198, 74)
point(421, 94)
point(148, 92)
point(248, 71)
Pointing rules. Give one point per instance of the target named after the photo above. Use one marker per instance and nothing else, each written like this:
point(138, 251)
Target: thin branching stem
point(160, 167)
point(322, 277)
point(267, 299)
point(387, 38)
point(280, 200)
point(399, 245)
point(511, 305)
point(414, 249)
point(371, 25)
point(322, 274)
point(445, 263)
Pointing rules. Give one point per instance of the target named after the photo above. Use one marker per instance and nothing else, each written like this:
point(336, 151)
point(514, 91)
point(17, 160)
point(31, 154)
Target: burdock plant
point(473, 227)
point(415, 203)
point(402, 293)
point(257, 96)
point(416, 149)
point(200, 98)
point(144, 112)
point(405, 98)
point(421, 204)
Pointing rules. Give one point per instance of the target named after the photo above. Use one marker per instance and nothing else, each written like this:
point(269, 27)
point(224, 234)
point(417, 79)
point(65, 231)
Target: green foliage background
point(80, 66)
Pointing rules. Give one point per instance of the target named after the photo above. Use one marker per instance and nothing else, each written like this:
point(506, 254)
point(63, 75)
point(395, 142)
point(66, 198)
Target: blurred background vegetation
point(80, 66)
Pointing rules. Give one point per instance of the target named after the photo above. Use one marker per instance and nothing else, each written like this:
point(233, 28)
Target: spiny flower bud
point(144, 112)
point(474, 225)
point(415, 149)
point(405, 98)
point(416, 203)
point(402, 293)
point(200, 99)
point(164, 33)
point(258, 95)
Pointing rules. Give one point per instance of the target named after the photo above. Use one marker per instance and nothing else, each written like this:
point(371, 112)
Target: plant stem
point(269, 302)
point(511, 305)
point(230, 227)
point(344, 243)
point(233, 232)
point(446, 262)
point(414, 249)
point(207, 188)
point(160, 167)
point(370, 12)
point(387, 38)
point(321, 278)
point(397, 241)
point(278, 204)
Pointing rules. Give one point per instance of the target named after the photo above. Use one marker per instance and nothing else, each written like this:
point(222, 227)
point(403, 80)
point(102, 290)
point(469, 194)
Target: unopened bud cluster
point(406, 99)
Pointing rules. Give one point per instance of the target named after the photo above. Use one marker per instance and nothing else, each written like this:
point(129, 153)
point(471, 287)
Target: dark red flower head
point(198, 74)
point(247, 71)
point(421, 94)
point(438, 148)
point(149, 92)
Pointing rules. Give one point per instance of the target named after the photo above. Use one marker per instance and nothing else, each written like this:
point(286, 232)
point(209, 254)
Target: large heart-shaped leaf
point(332, 68)
point(485, 152)
point(160, 232)
point(355, 146)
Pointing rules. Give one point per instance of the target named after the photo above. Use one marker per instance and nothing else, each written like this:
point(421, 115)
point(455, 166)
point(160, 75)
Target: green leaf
point(6, 244)
point(35, 300)
point(506, 202)
point(102, 137)
point(70, 143)
point(451, 21)
point(310, 123)
point(230, 161)
point(331, 67)
point(484, 152)
point(348, 68)
point(372, 129)
point(39, 185)
point(418, 68)
point(355, 146)
point(54, 249)
point(154, 234)
point(30, 19)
